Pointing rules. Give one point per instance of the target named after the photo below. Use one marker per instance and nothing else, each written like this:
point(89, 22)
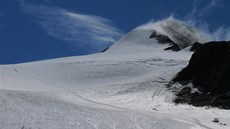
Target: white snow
point(123, 88)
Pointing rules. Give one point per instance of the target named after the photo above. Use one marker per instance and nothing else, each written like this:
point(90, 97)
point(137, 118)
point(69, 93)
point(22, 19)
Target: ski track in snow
point(22, 111)
point(13, 104)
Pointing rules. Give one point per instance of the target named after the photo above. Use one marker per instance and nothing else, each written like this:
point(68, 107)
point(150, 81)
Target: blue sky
point(33, 30)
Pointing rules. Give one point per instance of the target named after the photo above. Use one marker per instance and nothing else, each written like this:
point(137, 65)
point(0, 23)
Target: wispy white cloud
point(212, 4)
point(200, 11)
point(185, 33)
point(178, 31)
point(196, 14)
point(87, 32)
point(193, 12)
point(221, 33)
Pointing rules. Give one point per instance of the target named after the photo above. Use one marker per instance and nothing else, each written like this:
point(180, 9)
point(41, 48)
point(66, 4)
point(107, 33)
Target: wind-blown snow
point(185, 33)
point(123, 88)
point(178, 31)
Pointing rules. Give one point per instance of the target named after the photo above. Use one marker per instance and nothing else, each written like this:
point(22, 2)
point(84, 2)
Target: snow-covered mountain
point(122, 88)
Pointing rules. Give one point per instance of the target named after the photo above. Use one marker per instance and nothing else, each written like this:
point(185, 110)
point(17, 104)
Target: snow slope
point(123, 88)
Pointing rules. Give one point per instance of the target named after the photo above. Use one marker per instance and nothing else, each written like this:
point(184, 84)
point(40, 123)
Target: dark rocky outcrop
point(174, 47)
point(163, 39)
point(105, 49)
point(196, 46)
point(209, 71)
point(153, 35)
point(160, 37)
point(202, 99)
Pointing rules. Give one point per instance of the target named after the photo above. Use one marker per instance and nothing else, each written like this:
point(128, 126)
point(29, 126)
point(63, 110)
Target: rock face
point(163, 39)
point(196, 46)
point(209, 71)
point(174, 47)
point(160, 37)
point(105, 49)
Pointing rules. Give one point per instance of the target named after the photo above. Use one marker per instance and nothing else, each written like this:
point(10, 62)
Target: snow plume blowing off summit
point(185, 34)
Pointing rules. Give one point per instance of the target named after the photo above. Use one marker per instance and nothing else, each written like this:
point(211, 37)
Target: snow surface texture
point(123, 88)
